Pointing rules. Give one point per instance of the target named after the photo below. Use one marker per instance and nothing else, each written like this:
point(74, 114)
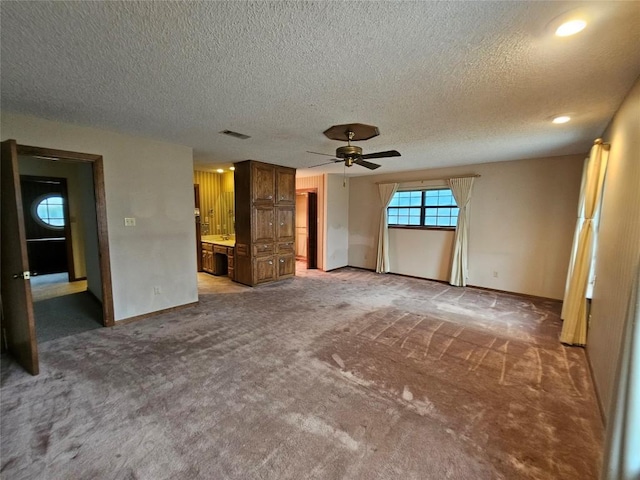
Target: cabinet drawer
point(219, 249)
point(207, 246)
point(231, 251)
point(230, 263)
point(260, 249)
point(286, 247)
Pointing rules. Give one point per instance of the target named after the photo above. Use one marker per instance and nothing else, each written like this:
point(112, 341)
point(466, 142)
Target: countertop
point(217, 240)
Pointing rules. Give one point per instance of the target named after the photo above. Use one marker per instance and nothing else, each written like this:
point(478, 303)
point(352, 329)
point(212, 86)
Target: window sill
point(420, 227)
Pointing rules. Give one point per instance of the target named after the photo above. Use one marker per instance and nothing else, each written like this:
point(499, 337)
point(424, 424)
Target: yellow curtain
point(461, 189)
point(574, 308)
point(387, 190)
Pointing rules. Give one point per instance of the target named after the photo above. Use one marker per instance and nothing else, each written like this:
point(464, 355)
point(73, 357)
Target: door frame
point(97, 164)
point(312, 226)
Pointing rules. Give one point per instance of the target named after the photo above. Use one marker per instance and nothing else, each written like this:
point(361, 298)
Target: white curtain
point(622, 449)
point(387, 190)
point(461, 188)
point(574, 308)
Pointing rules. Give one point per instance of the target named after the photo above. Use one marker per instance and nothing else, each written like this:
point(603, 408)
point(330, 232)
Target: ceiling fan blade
point(364, 163)
point(335, 160)
point(317, 153)
point(388, 153)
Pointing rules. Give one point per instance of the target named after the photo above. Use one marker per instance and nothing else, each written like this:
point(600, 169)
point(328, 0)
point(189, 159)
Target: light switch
point(129, 222)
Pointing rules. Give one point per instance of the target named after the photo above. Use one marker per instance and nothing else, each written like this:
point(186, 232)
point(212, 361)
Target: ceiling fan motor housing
point(349, 151)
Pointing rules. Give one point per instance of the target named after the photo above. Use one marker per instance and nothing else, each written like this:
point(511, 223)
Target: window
point(434, 208)
point(48, 211)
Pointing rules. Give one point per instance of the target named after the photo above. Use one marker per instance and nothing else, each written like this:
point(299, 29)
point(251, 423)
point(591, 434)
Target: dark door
point(18, 327)
point(312, 230)
point(45, 211)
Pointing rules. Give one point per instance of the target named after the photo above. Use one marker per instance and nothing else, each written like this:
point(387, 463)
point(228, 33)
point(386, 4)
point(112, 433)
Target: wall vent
point(231, 133)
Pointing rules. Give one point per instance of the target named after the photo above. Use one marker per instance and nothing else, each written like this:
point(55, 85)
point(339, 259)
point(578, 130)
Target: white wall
point(618, 245)
point(149, 180)
point(337, 222)
point(522, 219)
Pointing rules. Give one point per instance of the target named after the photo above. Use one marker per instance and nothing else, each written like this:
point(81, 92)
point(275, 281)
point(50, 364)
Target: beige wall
point(522, 219)
point(149, 180)
point(337, 222)
point(618, 253)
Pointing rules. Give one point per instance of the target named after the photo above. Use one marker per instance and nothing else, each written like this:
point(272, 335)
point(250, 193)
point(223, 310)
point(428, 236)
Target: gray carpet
point(66, 315)
point(342, 375)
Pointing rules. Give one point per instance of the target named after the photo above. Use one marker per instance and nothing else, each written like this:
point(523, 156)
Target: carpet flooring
point(341, 375)
point(66, 315)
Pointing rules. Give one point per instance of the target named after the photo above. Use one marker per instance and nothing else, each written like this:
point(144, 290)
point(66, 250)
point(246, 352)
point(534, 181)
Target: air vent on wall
point(231, 133)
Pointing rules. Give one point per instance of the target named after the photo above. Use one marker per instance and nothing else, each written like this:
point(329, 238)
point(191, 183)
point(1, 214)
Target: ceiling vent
point(231, 133)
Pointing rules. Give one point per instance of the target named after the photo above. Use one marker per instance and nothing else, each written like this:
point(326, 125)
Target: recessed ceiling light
point(232, 168)
point(561, 119)
point(220, 170)
point(570, 28)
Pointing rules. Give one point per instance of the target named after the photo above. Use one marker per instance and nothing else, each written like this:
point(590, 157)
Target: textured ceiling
point(447, 83)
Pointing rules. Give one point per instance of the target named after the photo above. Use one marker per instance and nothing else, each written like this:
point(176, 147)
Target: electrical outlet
point(129, 222)
point(157, 290)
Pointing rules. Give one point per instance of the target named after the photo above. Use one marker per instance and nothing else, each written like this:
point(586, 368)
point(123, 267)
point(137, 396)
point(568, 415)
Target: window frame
point(423, 208)
point(42, 222)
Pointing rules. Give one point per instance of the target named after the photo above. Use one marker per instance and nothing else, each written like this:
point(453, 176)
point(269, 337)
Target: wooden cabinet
point(209, 251)
point(207, 257)
point(265, 197)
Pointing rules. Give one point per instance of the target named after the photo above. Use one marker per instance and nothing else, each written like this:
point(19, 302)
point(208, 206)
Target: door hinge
point(23, 275)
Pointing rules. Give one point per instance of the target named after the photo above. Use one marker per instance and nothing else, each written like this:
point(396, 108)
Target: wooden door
point(196, 200)
point(263, 183)
point(312, 230)
point(18, 327)
point(286, 186)
point(47, 227)
point(285, 227)
point(286, 265)
point(263, 230)
point(264, 269)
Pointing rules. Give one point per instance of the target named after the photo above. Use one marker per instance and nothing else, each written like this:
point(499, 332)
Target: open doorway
point(307, 227)
point(71, 211)
point(57, 212)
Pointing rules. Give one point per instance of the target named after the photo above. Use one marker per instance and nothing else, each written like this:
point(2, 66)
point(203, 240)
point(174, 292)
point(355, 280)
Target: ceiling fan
point(352, 154)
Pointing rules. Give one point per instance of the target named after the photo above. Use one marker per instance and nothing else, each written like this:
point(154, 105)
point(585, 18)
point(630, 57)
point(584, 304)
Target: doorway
point(307, 227)
point(89, 262)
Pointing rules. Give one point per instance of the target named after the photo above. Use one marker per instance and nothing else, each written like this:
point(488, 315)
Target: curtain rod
point(428, 179)
point(605, 145)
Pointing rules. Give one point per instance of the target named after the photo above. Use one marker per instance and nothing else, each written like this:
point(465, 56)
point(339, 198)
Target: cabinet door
point(264, 183)
point(285, 225)
point(285, 186)
point(286, 265)
point(263, 229)
point(264, 269)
